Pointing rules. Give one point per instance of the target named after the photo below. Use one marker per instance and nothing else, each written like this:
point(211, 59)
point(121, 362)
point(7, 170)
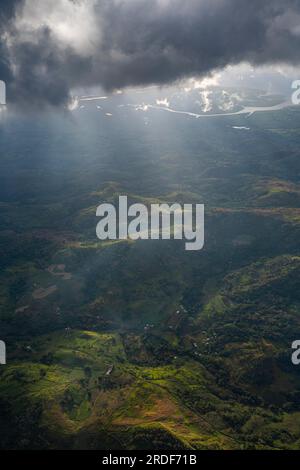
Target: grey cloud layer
point(145, 42)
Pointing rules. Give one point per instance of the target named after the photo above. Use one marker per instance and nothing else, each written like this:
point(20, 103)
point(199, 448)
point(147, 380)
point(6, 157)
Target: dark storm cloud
point(46, 71)
point(162, 43)
point(150, 42)
point(7, 14)
point(8, 9)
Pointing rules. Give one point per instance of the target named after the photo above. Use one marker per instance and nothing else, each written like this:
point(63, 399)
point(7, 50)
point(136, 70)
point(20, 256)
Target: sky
point(50, 48)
